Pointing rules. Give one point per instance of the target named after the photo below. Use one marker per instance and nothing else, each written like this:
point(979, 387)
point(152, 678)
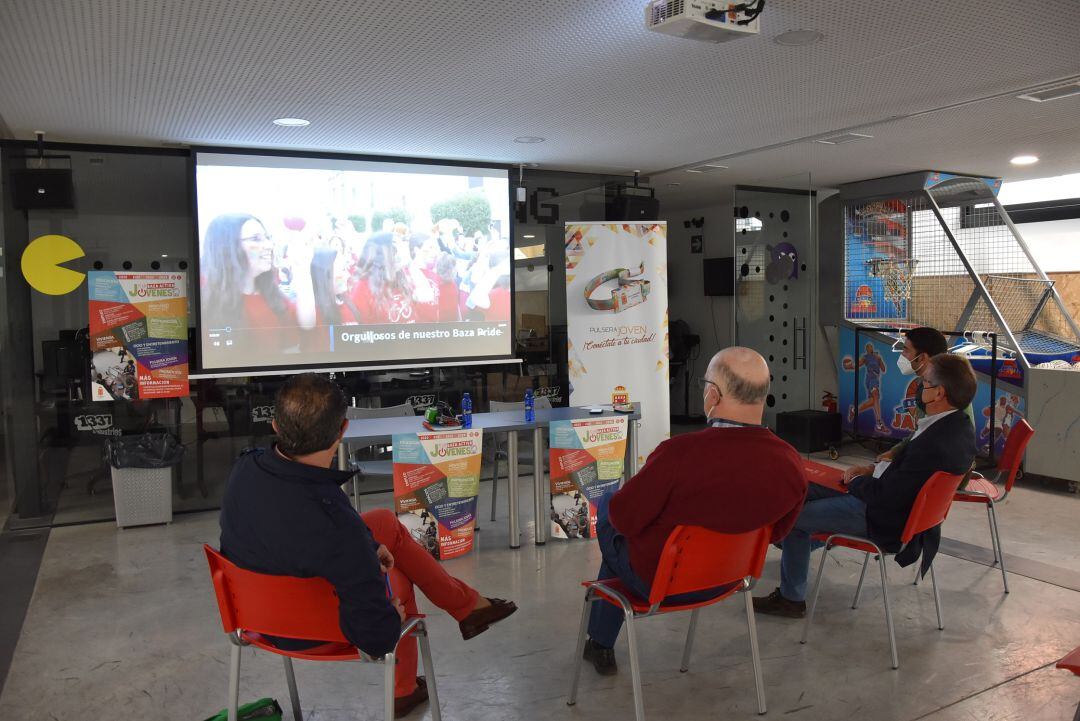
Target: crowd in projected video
point(311, 260)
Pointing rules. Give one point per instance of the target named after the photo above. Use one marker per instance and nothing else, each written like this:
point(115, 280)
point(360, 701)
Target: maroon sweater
point(730, 480)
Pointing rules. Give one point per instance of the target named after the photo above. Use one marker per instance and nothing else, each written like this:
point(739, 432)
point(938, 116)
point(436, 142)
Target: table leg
point(539, 516)
point(342, 457)
point(633, 443)
point(512, 483)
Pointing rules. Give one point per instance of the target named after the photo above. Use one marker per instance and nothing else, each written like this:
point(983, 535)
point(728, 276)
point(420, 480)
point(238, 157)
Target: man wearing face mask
point(733, 477)
point(878, 507)
point(920, 345)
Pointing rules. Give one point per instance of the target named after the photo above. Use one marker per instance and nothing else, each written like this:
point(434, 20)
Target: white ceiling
point(462, 78)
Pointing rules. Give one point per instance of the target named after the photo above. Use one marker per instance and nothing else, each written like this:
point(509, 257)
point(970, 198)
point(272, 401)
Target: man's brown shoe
point(776, 605)
point(482, 619)
point(404, 705)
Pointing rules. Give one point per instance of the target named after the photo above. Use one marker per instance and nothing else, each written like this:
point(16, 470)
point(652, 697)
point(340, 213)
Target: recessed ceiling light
point(530, 237)
point(164, 255)
point(291, 122)
point(843, 138)
point(673, 185)
point(528, 139)
point(1024, 160)
point(794, 38)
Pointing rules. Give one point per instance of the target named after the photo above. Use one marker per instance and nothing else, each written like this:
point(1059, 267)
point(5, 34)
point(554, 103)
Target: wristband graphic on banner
point(631, 291)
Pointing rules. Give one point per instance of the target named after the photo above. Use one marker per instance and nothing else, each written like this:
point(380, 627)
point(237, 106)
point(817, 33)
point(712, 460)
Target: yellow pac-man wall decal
point(41, 263)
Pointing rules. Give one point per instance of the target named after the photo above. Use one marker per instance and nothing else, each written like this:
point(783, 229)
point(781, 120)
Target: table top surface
point(375, 429)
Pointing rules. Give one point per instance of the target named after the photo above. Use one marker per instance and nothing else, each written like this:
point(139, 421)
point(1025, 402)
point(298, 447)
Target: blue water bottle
point(466, 411)
point(530, 414)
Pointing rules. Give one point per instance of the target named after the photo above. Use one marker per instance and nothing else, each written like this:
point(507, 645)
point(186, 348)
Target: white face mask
point(905, 366)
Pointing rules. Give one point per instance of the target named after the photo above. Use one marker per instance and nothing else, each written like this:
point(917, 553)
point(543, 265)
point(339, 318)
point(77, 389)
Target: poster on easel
point(436, 482)
point(617, 321)
point(138, 335)
point(588, 458)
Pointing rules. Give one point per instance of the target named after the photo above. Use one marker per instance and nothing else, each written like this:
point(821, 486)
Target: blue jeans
point(825, 511)
point(606, 620)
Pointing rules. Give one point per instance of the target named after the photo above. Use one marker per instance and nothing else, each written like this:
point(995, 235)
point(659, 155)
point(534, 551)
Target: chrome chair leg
point(689, 641)
point(494, 475)
point(993, 536)
point(755, 655)
point(937, 599)
point(294, 697)
point(635, 666)
point(814, 594)
point(997, 538)
point(429, 671)
point(234, 682)
point(862, 576)
point(389, 666)
point(579, 649)
point(888, 610)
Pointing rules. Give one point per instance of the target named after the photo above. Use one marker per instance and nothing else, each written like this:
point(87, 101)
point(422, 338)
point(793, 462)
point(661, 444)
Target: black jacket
point(947, 445)
point(289, 519)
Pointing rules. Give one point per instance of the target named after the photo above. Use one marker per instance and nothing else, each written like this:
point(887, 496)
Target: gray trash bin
point(142, 472)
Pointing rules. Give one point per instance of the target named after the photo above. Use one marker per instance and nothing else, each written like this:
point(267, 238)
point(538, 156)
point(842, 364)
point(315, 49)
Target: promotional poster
point(587, 461)
point(886, 398)
point(436, 481)
point(617, 318)
point(138, 335)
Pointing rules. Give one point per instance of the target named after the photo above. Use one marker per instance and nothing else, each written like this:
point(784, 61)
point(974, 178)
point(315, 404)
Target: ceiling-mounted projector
point(711, 22)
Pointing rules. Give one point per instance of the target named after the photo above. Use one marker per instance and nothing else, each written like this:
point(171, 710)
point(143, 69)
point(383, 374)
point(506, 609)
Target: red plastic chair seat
point(846, 543)
point(641, 605)
point(1071, 662)
point(979, 484)
point(330, 651)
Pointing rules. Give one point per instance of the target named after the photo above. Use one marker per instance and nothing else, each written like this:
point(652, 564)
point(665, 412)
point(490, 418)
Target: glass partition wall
point(133, 211)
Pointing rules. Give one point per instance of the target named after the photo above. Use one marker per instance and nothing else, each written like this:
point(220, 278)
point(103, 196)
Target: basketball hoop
point(895, 274)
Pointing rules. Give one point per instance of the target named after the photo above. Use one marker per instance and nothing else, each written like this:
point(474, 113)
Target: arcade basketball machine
point(934, 249)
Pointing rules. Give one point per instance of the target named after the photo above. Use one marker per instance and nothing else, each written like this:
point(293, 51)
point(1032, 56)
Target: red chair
point(982, 490)
point(255, 604)
point(930, 509)
point(693, 559)
point(1071, 662)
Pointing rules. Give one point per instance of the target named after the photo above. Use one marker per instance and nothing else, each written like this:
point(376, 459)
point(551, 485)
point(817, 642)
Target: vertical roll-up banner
point(617, 321)
point(436, 481)
point(587, 459)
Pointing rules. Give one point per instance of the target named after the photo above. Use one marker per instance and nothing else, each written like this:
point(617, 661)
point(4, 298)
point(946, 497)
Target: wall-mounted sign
point(42, 260)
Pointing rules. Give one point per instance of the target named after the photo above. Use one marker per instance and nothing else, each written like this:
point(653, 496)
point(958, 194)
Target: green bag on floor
point(265, 709)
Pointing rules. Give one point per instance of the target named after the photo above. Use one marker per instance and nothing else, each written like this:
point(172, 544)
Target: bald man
point(735, 476)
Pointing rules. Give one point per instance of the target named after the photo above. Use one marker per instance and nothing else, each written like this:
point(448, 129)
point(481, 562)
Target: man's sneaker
point(603, 659)
point(776, 605)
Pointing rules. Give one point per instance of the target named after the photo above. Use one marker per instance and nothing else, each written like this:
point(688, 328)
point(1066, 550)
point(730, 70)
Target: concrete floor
point(123, 623)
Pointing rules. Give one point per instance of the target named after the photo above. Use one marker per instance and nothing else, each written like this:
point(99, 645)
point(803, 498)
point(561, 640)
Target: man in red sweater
point(733, 477)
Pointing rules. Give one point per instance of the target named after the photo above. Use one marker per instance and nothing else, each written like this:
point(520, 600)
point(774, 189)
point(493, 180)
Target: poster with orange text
point(436, 481)
point(138, 335)
point(587, 461)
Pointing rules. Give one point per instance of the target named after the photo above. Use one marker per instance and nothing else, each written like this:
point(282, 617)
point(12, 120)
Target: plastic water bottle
point(530, 414)
point(466, 411)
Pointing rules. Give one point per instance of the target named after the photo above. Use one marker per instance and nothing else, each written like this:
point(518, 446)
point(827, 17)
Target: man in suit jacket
point(877, 504)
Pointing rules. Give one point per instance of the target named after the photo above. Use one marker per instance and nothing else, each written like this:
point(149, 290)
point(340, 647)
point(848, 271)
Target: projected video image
point(309, 260)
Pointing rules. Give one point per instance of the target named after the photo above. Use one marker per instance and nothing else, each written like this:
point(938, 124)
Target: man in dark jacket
point(879, 500)
point(284, 513)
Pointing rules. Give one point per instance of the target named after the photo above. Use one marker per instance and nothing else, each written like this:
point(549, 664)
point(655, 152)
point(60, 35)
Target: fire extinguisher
point(828, 402)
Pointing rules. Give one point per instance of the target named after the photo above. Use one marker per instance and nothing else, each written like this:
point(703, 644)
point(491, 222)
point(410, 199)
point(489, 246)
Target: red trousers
point(414, 566)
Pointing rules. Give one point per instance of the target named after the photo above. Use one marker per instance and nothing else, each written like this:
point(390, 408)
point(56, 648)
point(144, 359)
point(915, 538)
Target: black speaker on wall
point(42, 188)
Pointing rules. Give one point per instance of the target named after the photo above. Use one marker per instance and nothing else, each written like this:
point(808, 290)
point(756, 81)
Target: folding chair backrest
point(355, 414)
point(274, 605)
point(1009, 463)
point(932, 504)
point(696, 559)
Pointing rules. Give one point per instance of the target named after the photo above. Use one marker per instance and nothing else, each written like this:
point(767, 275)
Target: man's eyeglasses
point(703, 383)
